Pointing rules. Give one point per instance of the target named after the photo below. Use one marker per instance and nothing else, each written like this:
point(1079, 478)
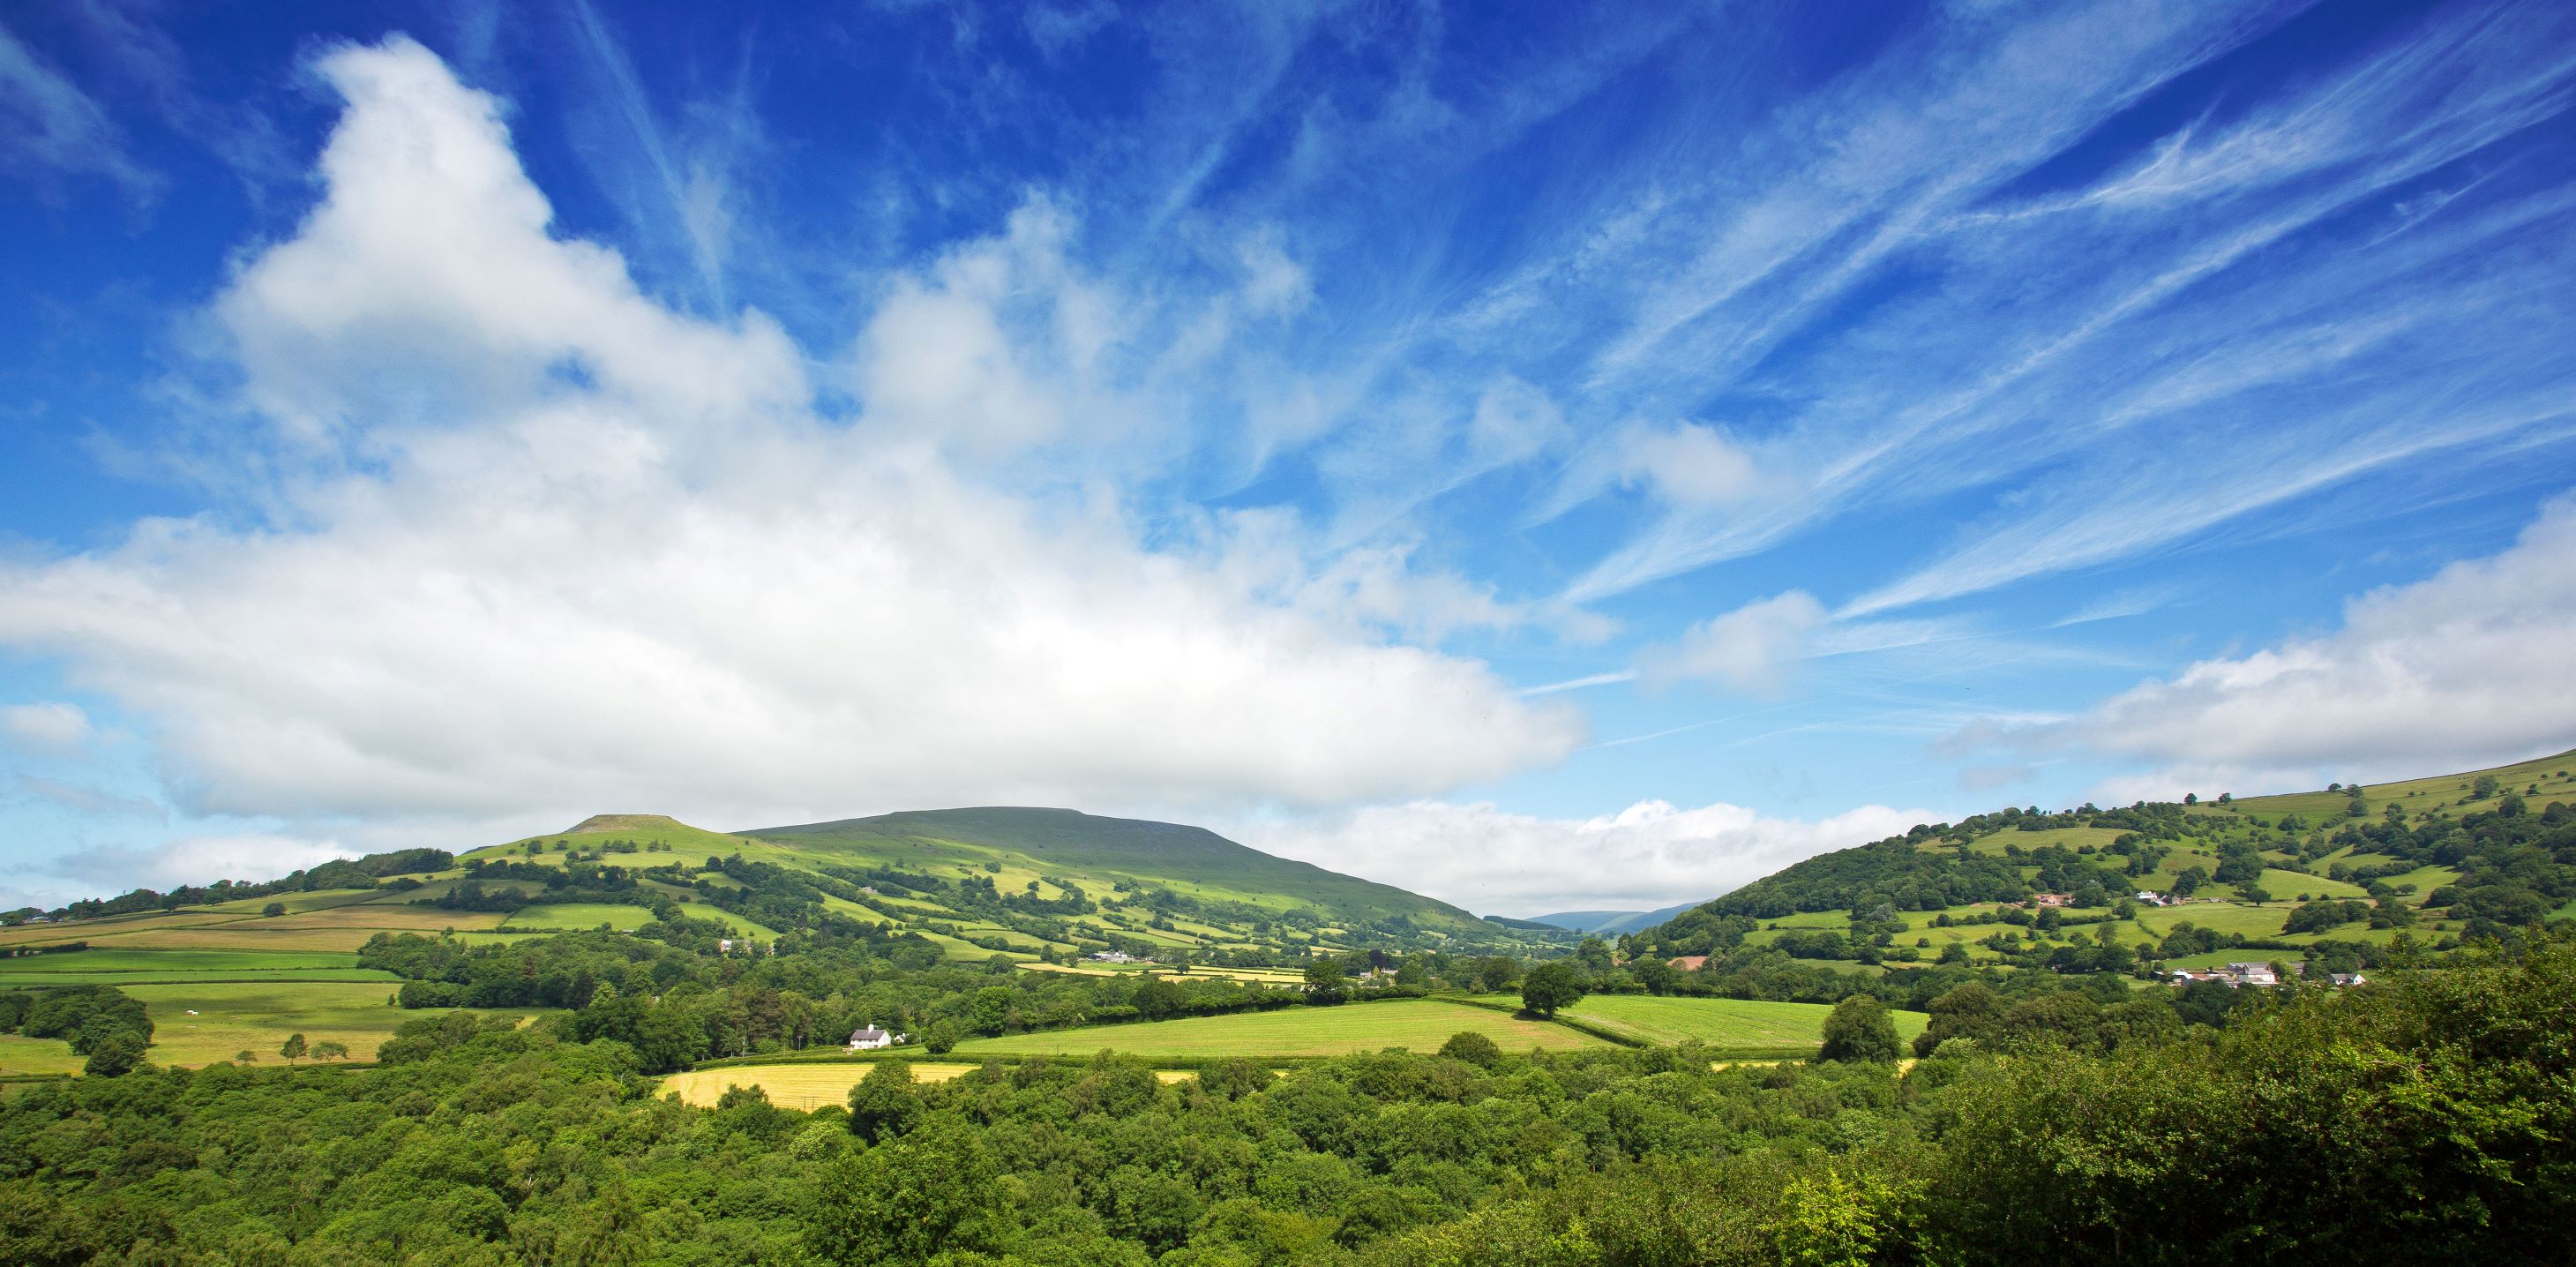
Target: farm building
point(869, 1038)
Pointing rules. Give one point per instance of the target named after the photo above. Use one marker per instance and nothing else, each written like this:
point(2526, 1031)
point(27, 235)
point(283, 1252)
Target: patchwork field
point(1720, 1022)
point(1417, 1024)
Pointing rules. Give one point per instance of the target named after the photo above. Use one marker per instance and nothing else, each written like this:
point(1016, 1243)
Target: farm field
point(1720, 1022)
point(1418, 1024)
point(578, 915)
point(115, 960)
point(257, 1016)
point(807, 1087)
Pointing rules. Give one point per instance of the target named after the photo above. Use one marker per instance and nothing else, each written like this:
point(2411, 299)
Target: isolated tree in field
point(2485, 787)
point(330, 1049)
point(1858, 1030)
point(1550, 986)
point(245, 1057)
point(292, 1048)
point(273, 909)
point(942, 1038)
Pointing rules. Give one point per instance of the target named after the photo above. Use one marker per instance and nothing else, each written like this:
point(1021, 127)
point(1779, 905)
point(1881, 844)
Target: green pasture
point(1719, 1022)
point(257, 1016)
point(1418, 1024)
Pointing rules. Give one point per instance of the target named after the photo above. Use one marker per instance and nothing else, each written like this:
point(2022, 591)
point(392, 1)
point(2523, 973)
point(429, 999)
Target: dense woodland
point(2424, 1116)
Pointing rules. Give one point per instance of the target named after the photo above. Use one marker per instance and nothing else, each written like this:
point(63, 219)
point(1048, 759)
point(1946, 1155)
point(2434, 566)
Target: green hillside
point(2343, 874)
point(1184, 859)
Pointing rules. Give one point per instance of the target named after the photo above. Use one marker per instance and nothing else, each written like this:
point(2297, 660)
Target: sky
point(1547, 457)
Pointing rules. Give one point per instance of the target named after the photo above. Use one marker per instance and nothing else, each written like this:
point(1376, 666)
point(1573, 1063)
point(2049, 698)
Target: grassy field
point(234, 1016)
point(584, 915)
point(257, 1016)
point(122, 965)
point(1720, 1022)
point(1419, 1024)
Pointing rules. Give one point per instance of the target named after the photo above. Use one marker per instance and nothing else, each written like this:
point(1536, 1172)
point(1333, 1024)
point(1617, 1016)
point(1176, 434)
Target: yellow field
point(808, 1087)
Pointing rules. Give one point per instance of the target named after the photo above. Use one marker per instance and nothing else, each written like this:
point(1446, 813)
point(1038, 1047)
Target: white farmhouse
point(869, 1038)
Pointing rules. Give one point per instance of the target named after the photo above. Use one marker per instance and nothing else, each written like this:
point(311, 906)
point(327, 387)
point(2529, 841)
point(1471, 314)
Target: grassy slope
point(1418, 1024)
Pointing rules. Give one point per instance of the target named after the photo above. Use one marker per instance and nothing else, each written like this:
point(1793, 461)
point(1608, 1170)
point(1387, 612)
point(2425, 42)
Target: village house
point(869, 1038)
point(1113, 956)
point(2148, 897)
point(2050, 899)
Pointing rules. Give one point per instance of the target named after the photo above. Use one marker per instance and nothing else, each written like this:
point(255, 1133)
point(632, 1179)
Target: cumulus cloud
point(50, 727)
point(1651, 854)
point(2467, 668)
point(549, 546)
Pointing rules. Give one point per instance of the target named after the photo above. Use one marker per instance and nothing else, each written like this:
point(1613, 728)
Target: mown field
point(1720, 1022)
point(806, 1087)
point(1417, 1024)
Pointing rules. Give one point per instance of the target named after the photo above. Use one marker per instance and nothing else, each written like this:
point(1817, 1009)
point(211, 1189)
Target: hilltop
point(2342, 875)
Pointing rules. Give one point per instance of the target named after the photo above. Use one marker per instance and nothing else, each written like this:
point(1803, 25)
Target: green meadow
point(1417, 1024)
point(1736, 1023)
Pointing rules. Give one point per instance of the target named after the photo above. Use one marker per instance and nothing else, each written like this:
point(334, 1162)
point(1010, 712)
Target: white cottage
point(869, 1038)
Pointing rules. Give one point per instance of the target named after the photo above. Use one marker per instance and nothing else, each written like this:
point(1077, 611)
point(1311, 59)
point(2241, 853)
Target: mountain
point(2336, 873)
point(1022, 881)
point(1610, 923)
point(1146, 853)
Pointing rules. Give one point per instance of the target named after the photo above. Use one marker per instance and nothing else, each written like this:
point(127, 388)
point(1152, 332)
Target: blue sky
point(1547, 457)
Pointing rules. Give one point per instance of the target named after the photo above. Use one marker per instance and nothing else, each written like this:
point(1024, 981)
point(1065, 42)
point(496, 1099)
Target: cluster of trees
point(2422, 1118)
point(98, 1021)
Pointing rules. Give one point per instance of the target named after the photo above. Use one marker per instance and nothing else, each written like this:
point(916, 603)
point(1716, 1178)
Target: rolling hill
point(2338, 873)
point(1041, 888)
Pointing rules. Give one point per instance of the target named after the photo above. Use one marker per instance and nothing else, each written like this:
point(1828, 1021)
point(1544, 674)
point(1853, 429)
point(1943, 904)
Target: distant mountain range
point(1610, 923)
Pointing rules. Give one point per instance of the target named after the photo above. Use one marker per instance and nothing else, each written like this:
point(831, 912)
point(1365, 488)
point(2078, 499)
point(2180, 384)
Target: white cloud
point(1748, 649)
point(551, 547)
point(50, 727)
point(197, 860)
point(1649, 855)
point(2467, 668)
point(1689, 465)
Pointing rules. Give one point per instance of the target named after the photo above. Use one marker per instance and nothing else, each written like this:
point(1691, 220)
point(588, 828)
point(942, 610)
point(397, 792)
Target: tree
point(330, 1049)
point(885, 1104)
point(942, 1038)
point(2257, 894)
point(273, 909)
point(1550, 986)
point(1858, 1031)
point(115, 1055)
point(292, 1048)
point(245, 1057)
point(2486, 787)
point(1472, 1047)
point(1324, 979)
